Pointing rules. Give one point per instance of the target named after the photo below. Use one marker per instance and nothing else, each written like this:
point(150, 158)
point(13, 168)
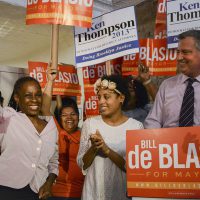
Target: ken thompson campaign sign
point(164, 163)
point(182, 15)
point(111, 36)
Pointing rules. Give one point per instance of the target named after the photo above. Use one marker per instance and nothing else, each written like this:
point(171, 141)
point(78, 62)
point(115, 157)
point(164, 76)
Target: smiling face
point(69, 119)
point(188, 57)
point(29, 98)
point(110, 102)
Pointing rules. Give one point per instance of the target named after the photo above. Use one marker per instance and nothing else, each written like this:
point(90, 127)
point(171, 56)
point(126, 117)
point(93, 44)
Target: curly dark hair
point(121, 86)
point(18, 85)
point(141, 94)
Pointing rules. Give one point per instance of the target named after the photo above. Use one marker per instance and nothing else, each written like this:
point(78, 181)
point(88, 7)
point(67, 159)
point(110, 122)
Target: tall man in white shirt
point(168, 108)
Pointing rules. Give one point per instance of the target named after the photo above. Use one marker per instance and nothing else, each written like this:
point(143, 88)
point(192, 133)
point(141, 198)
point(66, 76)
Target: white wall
point(10, 69)
point(8, 76)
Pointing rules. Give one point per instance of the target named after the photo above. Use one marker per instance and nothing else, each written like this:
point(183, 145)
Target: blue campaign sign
point(112, 35)
point(182, 15)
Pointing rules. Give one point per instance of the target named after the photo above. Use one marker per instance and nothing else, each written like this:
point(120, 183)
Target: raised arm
point(145, 78)
point(47, 94)
point(58, 102)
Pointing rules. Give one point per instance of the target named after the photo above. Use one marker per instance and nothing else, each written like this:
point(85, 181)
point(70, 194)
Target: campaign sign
point(65, 12)
point(91, 103)
point(111, 36)
point(66, 82)
point(160, 31)
point(93, 72)
point(154, 54)
point(182, 15)
point(164, 163)
point(90, 76)
point(161, 12)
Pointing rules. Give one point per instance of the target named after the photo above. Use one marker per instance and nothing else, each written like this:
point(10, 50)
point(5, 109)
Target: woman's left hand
point(45, 191)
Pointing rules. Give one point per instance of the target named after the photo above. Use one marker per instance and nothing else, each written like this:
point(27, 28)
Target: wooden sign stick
point(54, 46)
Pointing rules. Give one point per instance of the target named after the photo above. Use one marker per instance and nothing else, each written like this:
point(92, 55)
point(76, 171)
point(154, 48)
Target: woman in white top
point(28, 145)
point(102, 149)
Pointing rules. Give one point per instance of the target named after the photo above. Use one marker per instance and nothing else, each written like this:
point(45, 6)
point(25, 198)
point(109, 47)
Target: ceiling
point(20, 43)
point(97, 3)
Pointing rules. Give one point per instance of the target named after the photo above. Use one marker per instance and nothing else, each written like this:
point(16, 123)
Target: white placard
point(112, 35)
point(182, 15)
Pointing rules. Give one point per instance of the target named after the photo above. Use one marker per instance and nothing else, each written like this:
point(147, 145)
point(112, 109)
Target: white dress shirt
point(27, 157)
point(167, 105)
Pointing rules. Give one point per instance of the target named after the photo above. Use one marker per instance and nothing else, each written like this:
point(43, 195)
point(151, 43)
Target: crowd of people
point(43, 156)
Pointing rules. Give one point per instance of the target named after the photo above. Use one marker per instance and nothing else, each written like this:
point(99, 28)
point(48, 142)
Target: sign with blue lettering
point(112, 35)
point(182, 15)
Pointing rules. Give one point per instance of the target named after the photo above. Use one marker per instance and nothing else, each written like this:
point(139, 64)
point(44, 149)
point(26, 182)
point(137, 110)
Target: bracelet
point(147, 82)
point(107, 152)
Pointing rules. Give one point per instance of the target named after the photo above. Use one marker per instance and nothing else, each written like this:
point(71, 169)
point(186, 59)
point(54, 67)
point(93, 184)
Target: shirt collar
point(183, 78)
point(198, 78)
